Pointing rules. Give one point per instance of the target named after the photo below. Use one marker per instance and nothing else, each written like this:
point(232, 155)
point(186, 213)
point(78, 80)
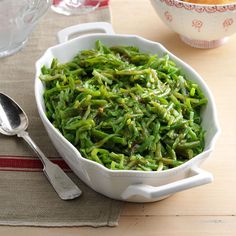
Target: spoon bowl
point(13, 119)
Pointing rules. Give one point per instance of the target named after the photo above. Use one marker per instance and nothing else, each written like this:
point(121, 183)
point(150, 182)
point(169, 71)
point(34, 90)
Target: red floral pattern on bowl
point(227, 23)
point(168, 16)
point(197, 24)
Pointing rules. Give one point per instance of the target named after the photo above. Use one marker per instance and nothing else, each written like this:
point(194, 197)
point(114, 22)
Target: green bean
point(125, 109)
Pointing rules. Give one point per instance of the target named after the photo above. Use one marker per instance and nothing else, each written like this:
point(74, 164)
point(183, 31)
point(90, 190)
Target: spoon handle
point(62, 184)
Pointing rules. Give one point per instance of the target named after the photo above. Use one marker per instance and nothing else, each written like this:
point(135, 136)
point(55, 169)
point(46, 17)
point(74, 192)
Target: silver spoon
point(13, 121)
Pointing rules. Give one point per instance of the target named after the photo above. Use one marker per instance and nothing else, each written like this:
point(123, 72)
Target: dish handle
point(197, 177)
point(65, 34)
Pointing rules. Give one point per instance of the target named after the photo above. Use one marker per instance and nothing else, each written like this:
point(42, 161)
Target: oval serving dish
point(126, 185)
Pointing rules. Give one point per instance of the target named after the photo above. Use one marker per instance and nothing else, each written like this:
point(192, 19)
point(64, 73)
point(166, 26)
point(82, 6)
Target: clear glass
point(17, 20)
point(75, 7)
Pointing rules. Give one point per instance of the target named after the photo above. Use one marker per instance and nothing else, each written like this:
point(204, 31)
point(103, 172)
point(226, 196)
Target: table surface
point(206, 210)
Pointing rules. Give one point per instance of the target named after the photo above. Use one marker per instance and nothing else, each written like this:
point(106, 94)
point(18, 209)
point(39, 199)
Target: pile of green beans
point(125, 109)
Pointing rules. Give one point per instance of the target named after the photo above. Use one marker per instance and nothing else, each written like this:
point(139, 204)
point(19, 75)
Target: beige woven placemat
point(26, 197)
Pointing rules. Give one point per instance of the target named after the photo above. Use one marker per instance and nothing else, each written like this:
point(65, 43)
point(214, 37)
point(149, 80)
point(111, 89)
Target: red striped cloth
point(17, 163)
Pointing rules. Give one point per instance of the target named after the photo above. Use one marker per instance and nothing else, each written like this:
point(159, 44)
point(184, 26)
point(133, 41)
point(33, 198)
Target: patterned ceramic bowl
point(199, 25)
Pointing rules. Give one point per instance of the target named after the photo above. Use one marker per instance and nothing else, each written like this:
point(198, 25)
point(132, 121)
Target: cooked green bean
point(125, 109)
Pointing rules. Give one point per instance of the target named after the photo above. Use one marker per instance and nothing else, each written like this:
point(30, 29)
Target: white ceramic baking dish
point(135, 186)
